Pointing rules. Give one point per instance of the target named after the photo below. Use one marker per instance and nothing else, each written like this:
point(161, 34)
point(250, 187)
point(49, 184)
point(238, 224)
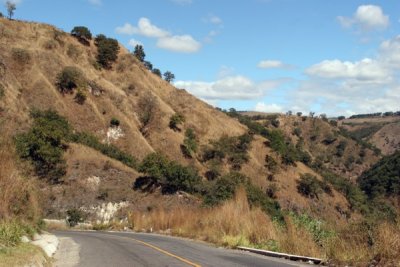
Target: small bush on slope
point(45, 144)
point(169, 174)
point(69, 79)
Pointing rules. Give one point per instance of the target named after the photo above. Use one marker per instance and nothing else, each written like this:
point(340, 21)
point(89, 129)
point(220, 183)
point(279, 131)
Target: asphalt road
point(96, 249)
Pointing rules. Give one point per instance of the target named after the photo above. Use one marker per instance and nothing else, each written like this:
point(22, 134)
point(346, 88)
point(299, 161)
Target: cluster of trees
point(234, 149)
point(377, 114)
point(139, 53)
point(108, 49)
point(383, 179)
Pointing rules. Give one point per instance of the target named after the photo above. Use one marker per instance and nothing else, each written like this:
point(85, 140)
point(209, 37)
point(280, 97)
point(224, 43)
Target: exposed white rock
point(25, 239)
point(93, 182)
point(47, 242)
point(114, 133)
point(105, 212)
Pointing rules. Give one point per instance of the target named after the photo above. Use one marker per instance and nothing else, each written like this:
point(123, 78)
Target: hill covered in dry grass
point(78, 135)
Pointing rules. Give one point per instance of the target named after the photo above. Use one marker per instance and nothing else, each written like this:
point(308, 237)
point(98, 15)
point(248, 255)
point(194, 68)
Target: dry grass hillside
point(295, 174)
point(33, 54)
point(382, 132)
point(323, 139)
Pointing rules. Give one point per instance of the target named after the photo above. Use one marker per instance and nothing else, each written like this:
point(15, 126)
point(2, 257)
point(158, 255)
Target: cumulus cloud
point(364, 70)
point(144, 27)
point(348, 87)
point(229, 88)
point(165, 39)
point(366, 17)
point(268, 108)
point(179, 43)
point(272, 64)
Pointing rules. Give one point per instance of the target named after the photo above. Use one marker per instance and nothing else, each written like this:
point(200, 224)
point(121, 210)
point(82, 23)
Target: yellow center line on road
point(163, 251)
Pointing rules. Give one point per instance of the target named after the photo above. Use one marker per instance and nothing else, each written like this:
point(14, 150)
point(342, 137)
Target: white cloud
point(269, 108)
point(366, 17)
point(144, 27)
point(134, 43)
point(229, 88)
point(272, 64)
point(165, 39)
point(96, 2)
point(179, 43)
point(182, 2)
point(390, 52)
point(364, 70)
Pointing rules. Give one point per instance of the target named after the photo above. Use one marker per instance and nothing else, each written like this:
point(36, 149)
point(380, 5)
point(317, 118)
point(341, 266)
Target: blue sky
point(338, 57)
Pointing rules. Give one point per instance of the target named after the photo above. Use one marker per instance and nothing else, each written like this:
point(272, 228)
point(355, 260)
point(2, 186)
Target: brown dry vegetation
point(234, 223)
point(31, 57)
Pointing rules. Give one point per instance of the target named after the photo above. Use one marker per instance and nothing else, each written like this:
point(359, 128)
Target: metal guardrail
point(282, 255)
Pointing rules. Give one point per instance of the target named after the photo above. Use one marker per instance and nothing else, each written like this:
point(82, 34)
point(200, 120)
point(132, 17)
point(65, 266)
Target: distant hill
point(382, 132)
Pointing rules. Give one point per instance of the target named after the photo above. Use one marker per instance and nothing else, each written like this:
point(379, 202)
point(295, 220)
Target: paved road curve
point(96, 249)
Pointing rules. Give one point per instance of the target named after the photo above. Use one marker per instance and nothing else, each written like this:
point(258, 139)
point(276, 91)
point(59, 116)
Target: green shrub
point(21, 56)
point(45, 144)
point(107, 50)
point(108, 150)
point(114, 122)
point(340, 148)
point(75, 216)
point(297, 131)
point(258, 198)
point(224, 188)
point(73, 52)
point(317, 228)
point(309, 186)
point(353, 194)
point(69, 79)
point(83, 34)
point(189, 143)
point(271, 164)
point(147, 106)
point(169, 174)
point(234, 149)
point(12, 231)
point(2, 91)
point(175, 121)
point(80, 97)
point(156, 72)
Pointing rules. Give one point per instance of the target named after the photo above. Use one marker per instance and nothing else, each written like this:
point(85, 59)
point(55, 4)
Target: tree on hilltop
point(11, 7)
point(82, 33)
point(139, 53)
point(169, 76)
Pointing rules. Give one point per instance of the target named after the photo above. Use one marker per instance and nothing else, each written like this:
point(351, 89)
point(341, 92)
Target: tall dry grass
point(232, 224)
point(18, 195)
point(235, 224)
